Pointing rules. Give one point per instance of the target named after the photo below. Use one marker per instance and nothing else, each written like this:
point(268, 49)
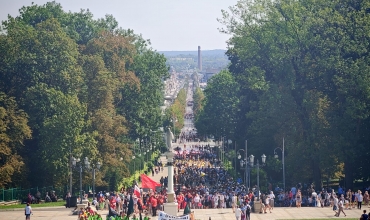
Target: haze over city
point(170, 25)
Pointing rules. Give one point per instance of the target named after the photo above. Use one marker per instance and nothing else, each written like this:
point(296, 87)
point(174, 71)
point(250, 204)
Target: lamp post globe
point(263, 158)
point(251, 159)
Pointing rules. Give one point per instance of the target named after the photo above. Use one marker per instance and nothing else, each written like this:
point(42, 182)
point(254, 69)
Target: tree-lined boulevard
point(85, 103)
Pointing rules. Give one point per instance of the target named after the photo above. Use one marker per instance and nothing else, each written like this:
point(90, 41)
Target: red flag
point(137, 191)
point(148, 183)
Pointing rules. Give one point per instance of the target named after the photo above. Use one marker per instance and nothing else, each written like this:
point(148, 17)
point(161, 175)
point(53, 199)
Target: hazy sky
point(169, 24)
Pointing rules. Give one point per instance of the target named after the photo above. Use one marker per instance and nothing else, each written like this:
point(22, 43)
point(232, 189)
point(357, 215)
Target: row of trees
point(175, 115)
point(72, 85)
point(300, 71)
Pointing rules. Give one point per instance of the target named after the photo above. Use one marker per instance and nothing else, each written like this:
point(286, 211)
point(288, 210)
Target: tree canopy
point(72, 85)
point(302, 73)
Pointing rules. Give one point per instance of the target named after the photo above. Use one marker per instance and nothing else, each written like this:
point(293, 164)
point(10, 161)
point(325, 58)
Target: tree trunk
point(317, 175)
point(348, 174)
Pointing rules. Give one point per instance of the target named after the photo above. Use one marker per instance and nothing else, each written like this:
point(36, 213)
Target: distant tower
point(199, 59)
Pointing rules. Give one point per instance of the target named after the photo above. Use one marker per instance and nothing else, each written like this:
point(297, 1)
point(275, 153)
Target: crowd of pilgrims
point(188, 135)
point(202, 182)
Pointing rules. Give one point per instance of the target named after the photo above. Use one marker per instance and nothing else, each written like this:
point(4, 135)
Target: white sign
point(165, 216)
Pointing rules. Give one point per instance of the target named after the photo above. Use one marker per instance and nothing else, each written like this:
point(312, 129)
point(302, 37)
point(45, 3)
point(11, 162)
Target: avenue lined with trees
point(300, 71)
point(73, 87)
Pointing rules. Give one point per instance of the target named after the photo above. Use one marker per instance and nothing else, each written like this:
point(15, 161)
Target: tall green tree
point(296, 73)
point(13, 132)
point(220, 107)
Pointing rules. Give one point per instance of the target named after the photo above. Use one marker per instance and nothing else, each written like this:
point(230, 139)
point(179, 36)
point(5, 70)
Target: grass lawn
point(49, 204)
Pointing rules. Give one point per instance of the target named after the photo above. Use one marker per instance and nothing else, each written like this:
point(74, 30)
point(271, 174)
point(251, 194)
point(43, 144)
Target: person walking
point(298, 199)
point(234, 200)
point(366, 198)
point(272, 198)
point(238, 213)
point(68, 200)
point(28, 211)
point(340, 208)
point(248, 210)
point(335, 205)
point(360, 198)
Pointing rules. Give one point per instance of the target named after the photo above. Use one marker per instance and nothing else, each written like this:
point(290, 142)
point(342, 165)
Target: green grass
point(48, 204)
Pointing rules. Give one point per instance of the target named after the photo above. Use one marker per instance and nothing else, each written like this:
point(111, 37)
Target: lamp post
point(258, 165)
point(133, 158)
point(94, 168)
point(283, 160)
point(245, 162)
point(249, 164)
point(74, 163)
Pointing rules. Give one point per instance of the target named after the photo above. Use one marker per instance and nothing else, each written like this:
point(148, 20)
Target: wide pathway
point(61, 213)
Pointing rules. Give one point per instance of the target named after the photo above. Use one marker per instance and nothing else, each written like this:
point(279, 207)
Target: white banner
point(165, 216)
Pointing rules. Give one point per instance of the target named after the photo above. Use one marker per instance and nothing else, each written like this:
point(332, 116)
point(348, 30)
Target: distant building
point(209, 73)
point(199, 59)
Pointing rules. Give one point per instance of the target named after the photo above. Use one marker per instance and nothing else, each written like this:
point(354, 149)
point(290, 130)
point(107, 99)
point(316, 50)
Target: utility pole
point(246, 167)
point(283, 165)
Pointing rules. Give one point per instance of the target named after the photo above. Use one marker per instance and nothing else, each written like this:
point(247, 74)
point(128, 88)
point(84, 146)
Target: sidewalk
point(158, 176)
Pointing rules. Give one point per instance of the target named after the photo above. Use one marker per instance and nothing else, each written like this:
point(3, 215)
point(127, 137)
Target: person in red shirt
point(154, 204)
point(251, 196)
point(160, 203)
point(113, 202)
point(180, 200)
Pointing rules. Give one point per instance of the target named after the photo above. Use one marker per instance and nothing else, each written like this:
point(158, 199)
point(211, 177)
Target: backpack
point(248, 210)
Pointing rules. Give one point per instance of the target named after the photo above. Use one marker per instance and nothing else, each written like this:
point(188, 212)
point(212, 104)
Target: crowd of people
point(201, 182)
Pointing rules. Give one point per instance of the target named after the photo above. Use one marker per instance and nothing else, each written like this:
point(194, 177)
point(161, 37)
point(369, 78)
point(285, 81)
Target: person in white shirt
point(222, 201)
point(272, 198)
point(267, 204)
point(314, 198)
point(335, 205)
point(28, 211)
point(340, 206)
point(360, 197)
point(238, 213)
point(118, 202)
point(196, 201)
point(215, 200)
point(234, 201)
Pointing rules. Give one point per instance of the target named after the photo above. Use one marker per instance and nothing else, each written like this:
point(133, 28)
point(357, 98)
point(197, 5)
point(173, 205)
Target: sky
point(171, 25)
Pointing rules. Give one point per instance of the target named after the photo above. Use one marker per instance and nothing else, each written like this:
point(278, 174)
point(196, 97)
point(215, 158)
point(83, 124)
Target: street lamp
point(283, 160)
point(242, 163)
point(94, 168)
point(86, 163)
point(257, 165)
point(133, 158)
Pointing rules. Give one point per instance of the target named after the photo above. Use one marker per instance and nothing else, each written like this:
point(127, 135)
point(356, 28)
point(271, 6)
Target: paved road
point(61, 213)
point(200, 214)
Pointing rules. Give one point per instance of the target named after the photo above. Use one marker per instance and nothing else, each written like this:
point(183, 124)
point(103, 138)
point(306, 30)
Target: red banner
point(148, 183)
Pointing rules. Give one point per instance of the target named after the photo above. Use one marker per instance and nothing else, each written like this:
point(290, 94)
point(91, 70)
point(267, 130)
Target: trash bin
point(72, 202)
